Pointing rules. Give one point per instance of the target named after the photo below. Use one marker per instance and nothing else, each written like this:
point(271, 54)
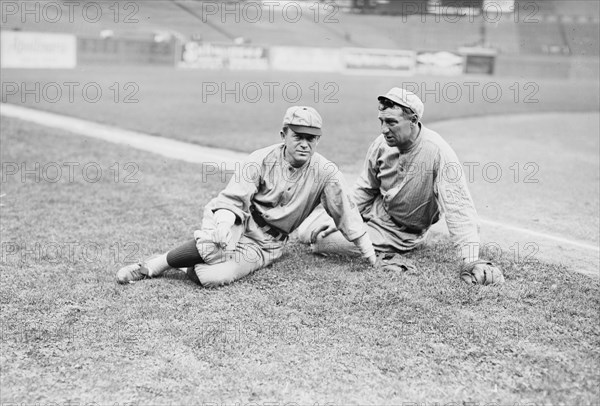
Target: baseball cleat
point(131, 273)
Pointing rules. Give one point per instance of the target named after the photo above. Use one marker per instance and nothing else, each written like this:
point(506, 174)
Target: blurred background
point(184, 60)
point(525, 36)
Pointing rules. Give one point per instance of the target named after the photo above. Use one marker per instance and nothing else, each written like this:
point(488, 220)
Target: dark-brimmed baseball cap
point(303, 120)
point(405, 98)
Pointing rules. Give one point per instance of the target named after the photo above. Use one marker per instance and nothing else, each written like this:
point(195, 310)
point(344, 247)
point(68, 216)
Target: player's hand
point(222, 235)
point(374, 261)
point(322, 231)
point(481, 272)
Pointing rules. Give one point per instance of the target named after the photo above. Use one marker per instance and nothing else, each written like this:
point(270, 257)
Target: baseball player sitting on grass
point(247, 225)
point(410, 176)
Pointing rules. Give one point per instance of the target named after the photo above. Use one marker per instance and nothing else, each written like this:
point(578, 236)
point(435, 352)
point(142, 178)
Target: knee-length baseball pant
point(249, 250)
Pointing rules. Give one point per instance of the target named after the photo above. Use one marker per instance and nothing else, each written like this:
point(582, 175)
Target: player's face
point(298, 147)
point(395, 128)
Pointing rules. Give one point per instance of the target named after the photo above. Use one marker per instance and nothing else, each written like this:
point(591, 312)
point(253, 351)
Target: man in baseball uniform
point(410, 176)
point(247, 225)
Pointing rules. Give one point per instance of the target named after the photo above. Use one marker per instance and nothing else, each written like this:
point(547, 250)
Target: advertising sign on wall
point(440, 63)
point(224, 56)
point(379, 61)
point(306, 59)
point(38, 50)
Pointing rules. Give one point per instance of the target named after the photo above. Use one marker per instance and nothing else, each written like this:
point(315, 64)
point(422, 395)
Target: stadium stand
point(540, 28)
point(308, 30)
point(542, 37)
point(584, 8)
point(503, 35)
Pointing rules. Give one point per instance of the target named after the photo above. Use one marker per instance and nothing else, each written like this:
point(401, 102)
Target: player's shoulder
point(434, 141)
point(378, 146)
point(379, 141)
point(323, 170)
point(321, 162)
point(266, 154)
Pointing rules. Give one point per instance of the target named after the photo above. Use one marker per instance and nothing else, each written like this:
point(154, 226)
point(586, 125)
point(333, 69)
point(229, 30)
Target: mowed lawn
point(306, 329)
point(243, 110)
point(519, 163)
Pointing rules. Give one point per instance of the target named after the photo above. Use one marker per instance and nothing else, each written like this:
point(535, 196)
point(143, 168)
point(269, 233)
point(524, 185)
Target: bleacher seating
point(542, 37)
point(587, 8)
point(567, 27)
point(503, 35)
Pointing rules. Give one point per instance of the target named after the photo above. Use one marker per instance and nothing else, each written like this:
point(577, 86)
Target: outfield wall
point(37, 50)
point(386, 62)
point(63, 51)
point(115, 51)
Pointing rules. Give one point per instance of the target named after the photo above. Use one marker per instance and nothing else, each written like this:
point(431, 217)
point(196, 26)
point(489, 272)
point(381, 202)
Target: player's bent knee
point(325, 245)
point(209, 280)
point(214, 282)
point(214, 276)
point(304, 232)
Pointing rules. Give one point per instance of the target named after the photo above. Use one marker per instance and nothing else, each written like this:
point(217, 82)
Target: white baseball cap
point(405, 98)
point(303, 120)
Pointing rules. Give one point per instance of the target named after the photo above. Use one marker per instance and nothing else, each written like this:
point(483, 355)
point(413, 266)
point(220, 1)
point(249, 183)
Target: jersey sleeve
point(243, 185)
point(340, 206)
point(367, 186)
point(455, 201)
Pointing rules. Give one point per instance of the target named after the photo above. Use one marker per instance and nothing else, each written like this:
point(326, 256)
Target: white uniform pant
point(250, 249)
point(384, 233)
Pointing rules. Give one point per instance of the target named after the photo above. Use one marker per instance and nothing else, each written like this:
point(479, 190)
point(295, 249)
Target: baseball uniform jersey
point(401, 193)
point(270, 199)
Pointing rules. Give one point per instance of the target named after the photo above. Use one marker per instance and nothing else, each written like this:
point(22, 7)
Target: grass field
point(181, 105)
point(542, 161)
point(308, 329)
point(304, 330)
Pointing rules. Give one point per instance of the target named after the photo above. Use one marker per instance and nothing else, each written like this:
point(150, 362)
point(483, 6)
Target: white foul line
point(170, 148)
point(542, 235)
point(189, 152)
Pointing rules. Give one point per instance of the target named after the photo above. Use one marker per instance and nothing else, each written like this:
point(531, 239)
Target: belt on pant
point(266, 227)
point(406, 229)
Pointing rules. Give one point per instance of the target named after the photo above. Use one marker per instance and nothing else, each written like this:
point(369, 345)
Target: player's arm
point(344, 212)
point(365, 246)
point(232, 205)
point(224, 220)
point(364, 192)
point(367, 186)
point(461, 218)
point(454, 199)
